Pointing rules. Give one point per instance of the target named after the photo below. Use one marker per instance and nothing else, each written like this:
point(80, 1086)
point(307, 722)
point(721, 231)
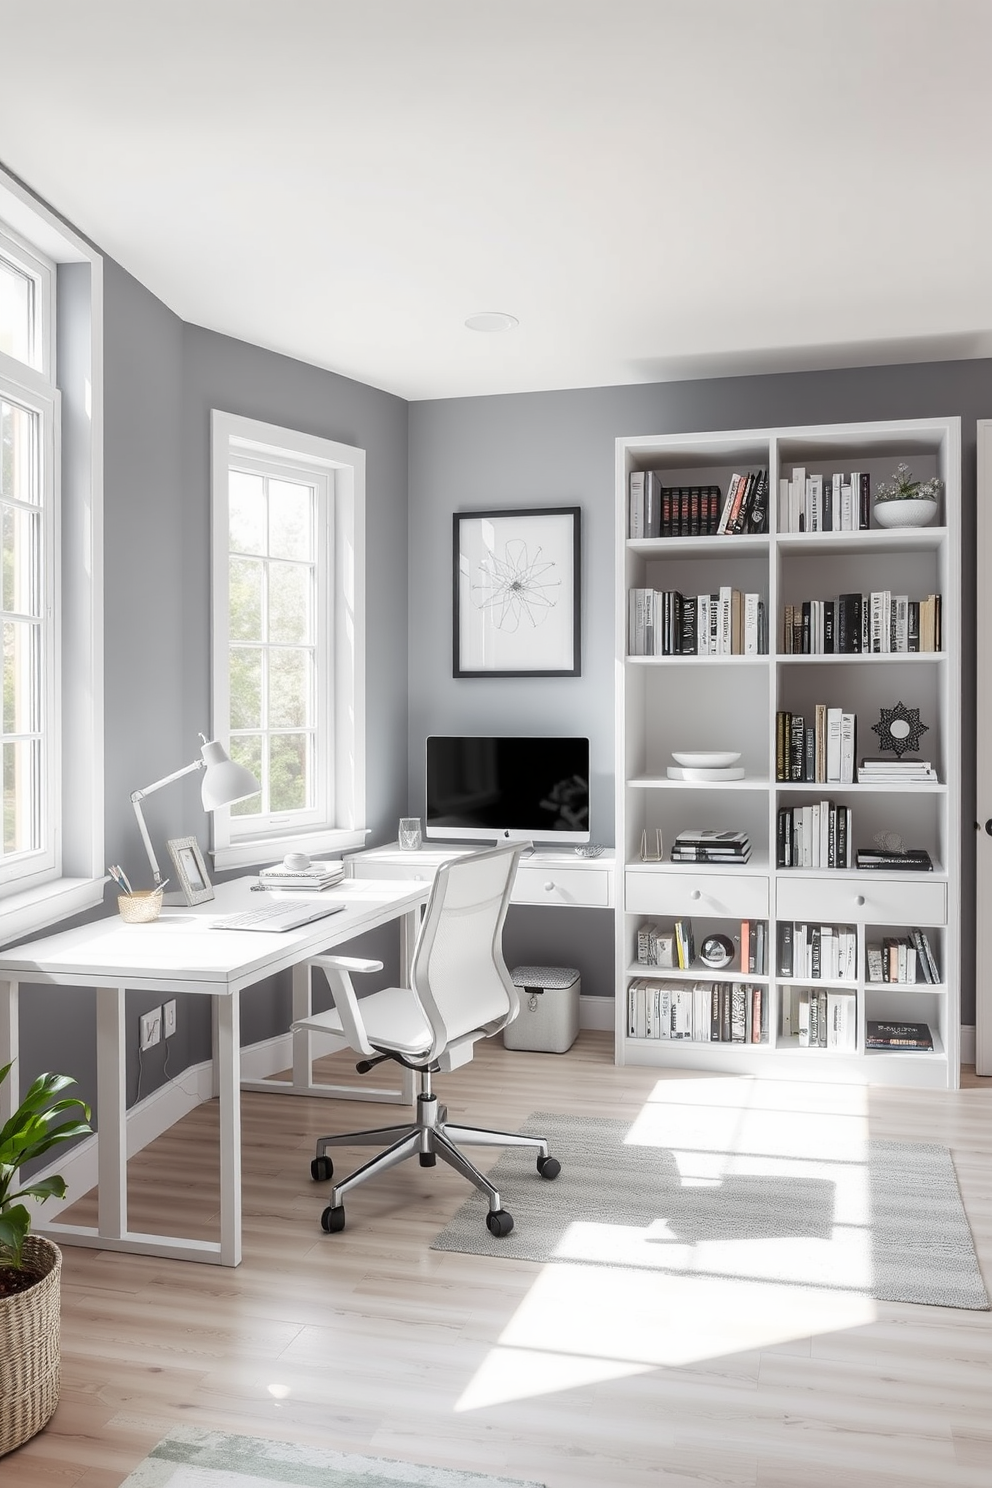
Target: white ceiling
point(655, 188)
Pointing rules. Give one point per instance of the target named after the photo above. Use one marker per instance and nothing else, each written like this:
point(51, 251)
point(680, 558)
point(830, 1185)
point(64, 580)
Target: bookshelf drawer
point(882, 902)
point(589, 887)
point(739, 895)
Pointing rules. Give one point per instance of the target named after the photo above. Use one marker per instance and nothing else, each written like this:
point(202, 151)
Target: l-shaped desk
point(179, 952)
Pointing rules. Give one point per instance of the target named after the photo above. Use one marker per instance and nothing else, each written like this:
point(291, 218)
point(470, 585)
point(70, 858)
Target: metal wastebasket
point(548, 1020)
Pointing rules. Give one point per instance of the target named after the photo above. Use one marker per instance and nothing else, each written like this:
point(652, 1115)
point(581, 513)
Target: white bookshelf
point(730, 702)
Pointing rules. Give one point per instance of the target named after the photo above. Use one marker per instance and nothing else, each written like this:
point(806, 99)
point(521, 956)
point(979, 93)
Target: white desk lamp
point(224, 783)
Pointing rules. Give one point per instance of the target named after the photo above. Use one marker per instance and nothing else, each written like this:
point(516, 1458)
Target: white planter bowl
point(912, 513)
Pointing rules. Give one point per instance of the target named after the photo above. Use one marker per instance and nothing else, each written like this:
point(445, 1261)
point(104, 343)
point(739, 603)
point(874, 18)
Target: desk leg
point(302, 1040)
point(9, 1097)
point(111, 1069)
point(228, 1068)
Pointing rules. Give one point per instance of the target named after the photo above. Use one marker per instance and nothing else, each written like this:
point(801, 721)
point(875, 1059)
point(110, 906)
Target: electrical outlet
point(151, 1028)
point(169, 1018)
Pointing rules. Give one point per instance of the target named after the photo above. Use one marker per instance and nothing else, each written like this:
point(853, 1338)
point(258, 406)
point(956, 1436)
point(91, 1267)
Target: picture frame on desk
point(516, 592)
point(191, 870)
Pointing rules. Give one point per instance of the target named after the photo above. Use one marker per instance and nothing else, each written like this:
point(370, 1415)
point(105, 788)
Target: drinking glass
point(410, 838)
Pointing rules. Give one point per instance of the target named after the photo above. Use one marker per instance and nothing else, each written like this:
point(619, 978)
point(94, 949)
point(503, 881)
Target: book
point(319, 875)
point(879, 1035)
point(914, 860)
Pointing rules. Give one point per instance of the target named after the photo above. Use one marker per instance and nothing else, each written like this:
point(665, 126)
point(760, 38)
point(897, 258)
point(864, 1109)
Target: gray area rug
point(884, 1219)
point(192, 1458)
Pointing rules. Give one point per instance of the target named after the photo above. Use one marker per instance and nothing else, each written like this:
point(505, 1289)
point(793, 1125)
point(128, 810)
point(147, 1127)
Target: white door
point(983, 872)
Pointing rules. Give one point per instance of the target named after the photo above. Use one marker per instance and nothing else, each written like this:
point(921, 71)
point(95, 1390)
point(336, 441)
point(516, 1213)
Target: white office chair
point(461, 992)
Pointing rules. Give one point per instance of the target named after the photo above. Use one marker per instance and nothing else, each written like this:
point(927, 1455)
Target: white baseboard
point(167, 1105)
point(597, 1012)
point(149, 1118)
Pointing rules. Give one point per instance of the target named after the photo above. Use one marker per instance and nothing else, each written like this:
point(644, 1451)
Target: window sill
point(331, 841)
point(36, 909)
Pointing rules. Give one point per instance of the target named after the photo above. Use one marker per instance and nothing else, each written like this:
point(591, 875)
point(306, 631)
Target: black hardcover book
point(725, 1030)
point(758, 515)
point(807, 635)
point(897, 1035)
point(843, 818)
point(782, 859)
point(916, 860)
point(913, 627)
point(797, 746)
point(715, 1012)
point(695, 501)
point(828, 626)
point(666, 511)
point(683, 511)
point(688, 625)
point(814, 953)
point(849, 623)
point(929, 957)
point(809, 757)
point(864, 502)
point(827, 509)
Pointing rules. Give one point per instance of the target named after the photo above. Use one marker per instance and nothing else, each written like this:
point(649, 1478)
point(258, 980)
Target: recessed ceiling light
point(492, 320)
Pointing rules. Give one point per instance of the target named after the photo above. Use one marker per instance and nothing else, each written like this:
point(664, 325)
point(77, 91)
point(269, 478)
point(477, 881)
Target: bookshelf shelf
point(731, 702)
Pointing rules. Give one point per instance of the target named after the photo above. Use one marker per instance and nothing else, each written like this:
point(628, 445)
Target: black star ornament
point(899, 729)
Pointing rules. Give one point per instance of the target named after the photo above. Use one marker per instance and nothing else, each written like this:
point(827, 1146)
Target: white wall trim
point(597, 1012)
point(159, 1111)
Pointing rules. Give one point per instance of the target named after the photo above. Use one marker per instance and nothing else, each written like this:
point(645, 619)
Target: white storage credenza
point(556, 878)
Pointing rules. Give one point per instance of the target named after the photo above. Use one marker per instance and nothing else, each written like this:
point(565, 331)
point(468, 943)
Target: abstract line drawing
point(516, 606)
point(515, 587)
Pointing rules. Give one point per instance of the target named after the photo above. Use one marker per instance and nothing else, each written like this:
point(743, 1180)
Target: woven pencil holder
point(30, 1348)
point(141, 906)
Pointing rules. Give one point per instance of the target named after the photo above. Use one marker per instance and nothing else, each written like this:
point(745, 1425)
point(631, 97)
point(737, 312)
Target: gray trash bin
point(548, 1020)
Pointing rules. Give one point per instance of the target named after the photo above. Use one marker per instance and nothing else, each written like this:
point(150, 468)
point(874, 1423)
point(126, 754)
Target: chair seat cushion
point(393, 1020)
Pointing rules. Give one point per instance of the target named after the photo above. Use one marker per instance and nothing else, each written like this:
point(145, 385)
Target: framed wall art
point(516, 593)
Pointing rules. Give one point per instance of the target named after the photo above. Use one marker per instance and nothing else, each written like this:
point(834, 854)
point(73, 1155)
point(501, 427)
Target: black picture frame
point(516, 592)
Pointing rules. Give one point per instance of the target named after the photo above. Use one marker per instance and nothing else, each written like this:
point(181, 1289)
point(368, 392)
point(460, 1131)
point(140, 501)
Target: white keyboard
point(279, 916)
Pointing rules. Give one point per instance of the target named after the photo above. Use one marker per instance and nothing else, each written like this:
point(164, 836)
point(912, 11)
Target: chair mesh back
point(458, 968)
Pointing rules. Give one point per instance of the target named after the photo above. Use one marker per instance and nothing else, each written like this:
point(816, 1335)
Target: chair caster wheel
point(428, 1159)
point(332, 1220)
point(321, 1169)
point(548, 1167)
point(499, 1223)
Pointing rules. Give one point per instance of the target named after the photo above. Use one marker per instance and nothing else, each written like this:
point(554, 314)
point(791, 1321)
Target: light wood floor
point(370, 1341)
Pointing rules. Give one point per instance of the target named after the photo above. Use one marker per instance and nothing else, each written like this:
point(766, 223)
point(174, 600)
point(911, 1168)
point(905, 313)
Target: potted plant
point(907, 502)
point(29, 1264)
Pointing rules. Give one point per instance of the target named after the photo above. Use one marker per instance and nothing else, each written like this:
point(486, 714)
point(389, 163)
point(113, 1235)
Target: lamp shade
point(224, 782)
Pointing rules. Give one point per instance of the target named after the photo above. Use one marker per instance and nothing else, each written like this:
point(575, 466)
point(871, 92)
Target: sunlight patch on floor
point(582, 1325)
point(603, 1311)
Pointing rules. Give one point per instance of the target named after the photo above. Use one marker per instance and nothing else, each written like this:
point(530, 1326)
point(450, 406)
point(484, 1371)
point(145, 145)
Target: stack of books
point(877, 622)
point(913, 860)
point(704, 1012)
point(815, 502)
point(696, 845)
point(814, 836)
point(820, 1018)
point(897, 958)
point(319, 875)
point(819, 749)
point(896, 772)
point(897, 1035)
point(665, 622)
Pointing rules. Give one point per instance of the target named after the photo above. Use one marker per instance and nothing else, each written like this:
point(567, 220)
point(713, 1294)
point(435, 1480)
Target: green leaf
point(45, 1188)
point(15, 1223)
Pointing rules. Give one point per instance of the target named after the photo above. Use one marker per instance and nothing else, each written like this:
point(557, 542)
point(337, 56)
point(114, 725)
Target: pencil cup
point(141, 906)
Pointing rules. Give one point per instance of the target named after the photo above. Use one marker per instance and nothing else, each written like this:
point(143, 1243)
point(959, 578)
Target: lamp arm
point(139, 795)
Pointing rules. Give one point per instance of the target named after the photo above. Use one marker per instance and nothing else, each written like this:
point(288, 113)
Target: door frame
point(983, 782)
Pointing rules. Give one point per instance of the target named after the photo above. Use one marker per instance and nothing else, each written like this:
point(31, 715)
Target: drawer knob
point(548, 886)
point(859, 898)
point(694, 894)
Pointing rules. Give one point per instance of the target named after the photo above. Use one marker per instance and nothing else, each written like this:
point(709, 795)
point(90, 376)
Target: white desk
point(543, 877)
point(180, 953)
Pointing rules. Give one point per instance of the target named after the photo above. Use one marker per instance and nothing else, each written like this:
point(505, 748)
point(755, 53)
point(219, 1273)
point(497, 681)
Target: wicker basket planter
point(29, 1349)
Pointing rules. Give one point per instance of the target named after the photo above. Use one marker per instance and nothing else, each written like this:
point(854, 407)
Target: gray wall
point(161, 378)
point(545, 449)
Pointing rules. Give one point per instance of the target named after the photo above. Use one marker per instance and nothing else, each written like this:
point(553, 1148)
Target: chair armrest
point(337, 970)
point(345, 963)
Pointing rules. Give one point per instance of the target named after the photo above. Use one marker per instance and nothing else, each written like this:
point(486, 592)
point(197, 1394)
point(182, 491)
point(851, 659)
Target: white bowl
point(712, 759)
point(911, 513)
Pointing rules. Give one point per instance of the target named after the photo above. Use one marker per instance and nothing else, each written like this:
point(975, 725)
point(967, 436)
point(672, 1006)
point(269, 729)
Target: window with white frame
point(51, 596)
point(288, 628)
point(29, 609)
